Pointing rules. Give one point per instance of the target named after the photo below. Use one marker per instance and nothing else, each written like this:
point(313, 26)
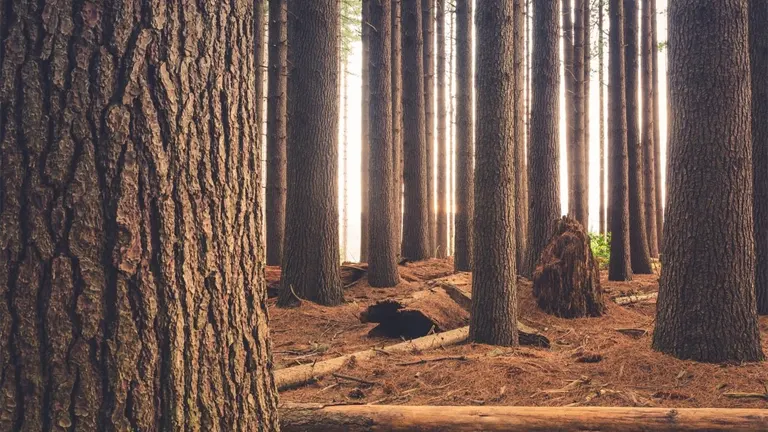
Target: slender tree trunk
point(345, 157)
point(130, 210)
point(620, 268)
point(544, 147)
point(416, 213)
point(428, 23)
point(493, 318)
point(521, 187)
point(382, 268)
point(638, 240)
point(451, 132)
point(442, 141)
point(649, 163)
point(656, 133)
point(601, 75)
point(706, 308)
point(585, 107)
point(569, 77)
point(576, 144)
point(311, 251)
point(465, 192)
point(758, 17)
point(365, 132)
point(276, 132)
point(397, 122)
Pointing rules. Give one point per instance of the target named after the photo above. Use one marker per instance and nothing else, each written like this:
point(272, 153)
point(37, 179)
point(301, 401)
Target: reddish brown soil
point(626, 372)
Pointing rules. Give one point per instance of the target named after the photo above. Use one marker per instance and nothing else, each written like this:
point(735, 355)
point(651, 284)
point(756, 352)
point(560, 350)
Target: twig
point(381, 351)
point(351, 378)
point(739, 395)
point(424, 361)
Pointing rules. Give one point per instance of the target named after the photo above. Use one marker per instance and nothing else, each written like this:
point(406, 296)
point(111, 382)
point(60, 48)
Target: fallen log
point(358, 418)
point(625, 300)
point(350, 274)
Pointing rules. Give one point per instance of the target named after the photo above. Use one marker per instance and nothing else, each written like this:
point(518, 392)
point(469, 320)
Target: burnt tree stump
point(566, 282)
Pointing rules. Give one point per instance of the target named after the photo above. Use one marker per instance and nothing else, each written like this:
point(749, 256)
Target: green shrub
point(601, 248)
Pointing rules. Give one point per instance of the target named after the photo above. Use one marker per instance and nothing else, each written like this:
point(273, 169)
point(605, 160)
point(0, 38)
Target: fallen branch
point(739, 395)
point(355, 379)
point(625, 300)
point(438, 359)
point(353, 418)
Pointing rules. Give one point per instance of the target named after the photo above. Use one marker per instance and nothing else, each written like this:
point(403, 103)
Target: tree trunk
point(708, 257)
point(311, 251)
point(344, 242)
point(442, 141)
point(758, 14)
point(570, 93)
point(585, 105)
point(494, 292)
point(382, 255)
point(428, 23)
point(576, 144)
point(276, 132)
point(601, 78)
point(416, 213)
point(521, 186)
point(451, 131)
point(465, 174)
point(618, 199)
point(638, 240)
point(130, 210)
point(649, 162)
point(543, 146)
point(397, 122)
point(656, 133)
point(365, 130)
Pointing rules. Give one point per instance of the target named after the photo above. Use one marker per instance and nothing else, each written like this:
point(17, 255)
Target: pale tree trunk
point(656, 133)
point(521, 186)
point(365, 138)
point(601, 79)
point(442, 141)
point(428, 23)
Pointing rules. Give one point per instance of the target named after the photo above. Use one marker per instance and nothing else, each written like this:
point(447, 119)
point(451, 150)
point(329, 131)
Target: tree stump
point(566, 282)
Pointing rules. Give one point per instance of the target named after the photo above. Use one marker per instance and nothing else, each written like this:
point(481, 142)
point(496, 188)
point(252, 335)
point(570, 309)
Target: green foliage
point(351, 13)
point(601, 248)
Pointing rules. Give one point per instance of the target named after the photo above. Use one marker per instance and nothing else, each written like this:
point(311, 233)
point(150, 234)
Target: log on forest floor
point(354, 418)
point(637, 298)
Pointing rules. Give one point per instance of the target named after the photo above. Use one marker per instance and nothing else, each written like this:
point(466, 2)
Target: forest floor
point(589, 362)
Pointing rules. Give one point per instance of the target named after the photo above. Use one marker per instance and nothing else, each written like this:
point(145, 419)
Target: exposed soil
point(589, 363)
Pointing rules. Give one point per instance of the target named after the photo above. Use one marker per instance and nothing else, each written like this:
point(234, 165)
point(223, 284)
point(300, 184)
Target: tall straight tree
point(705, 313)
point(521, 180)
point(493, 314)
point(428, 27)
point(465, 195)
point(311, 250)
point(569, 78)
point(130, 227)
point(638, 240)
point(442, 141)
point(382, 255)
point(365, 130)
point(656, 123)
point(758, 17)
point(543, 146)
point(415, 213)
point(276, 132)
point(647, 143)
point(619, 268)
point(576, 145)
point(601, 79)
point(585, 102)
point(397, 122)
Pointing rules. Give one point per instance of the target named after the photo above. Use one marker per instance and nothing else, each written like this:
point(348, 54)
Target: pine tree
point(365, 130)
point(428, 23)
point(442, 141)
point(521, 181)
point(465, 195)
point(758, 13)
point(601, 79)
point(656, 132)
point(647, 143)
point(397, 122)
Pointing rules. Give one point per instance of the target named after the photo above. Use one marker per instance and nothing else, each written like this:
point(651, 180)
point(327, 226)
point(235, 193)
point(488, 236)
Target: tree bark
point(758, 14)
point(428, 23)
point(521, 183)
point(543, 146)
point(569, 86)
point(276, 132)
point(494, 292)
point(638, 240)
point(618, 200)
point(130, 210)
point(709, 217)
point(397, 121)
point(365, 131)
point(465, 192)
point(648, 146)
point(601, 75)
point(382, 254)
point(576, 145)
point(585, 105)
point(416, 213)
point(442, 142)
point(311, 250)
point(656, 133)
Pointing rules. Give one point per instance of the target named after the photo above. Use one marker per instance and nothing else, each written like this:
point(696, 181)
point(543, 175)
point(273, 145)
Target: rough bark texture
point(601, 79)
point(758, 17)
point(706, 308)
point(131, 264)
point(638, 240)
point(311, 249)
point(656, 133)
point(585, 103)
point(415, 213)
point(543, 146)
point(649, 162)
point(365, 130)
point(494, 291)
point(428, 27)
point(397, 122)
point(576, 145)
point(618, 199)
point(276, 132)
point(465, 174)
point(382, 254)
point(566, 282)
point(442, 141)
point(570, 92)
point(521, 181)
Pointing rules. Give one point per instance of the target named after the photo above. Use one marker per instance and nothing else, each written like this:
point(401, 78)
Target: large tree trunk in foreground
point(365, 130)
point(543, 145)
point(618, 200)
point(311, 251)
point(566, 282)
point(360, 418)
point(276, 132)
point(706, 307)
point(397, 123)
point(130, 214)
point(428, 27)
point(638, 240)
point(441, 245)
point(382, 255)
point(465, 174)
point(521, 180)
point(647, 143)
point(494, 290)
point(758, 18)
